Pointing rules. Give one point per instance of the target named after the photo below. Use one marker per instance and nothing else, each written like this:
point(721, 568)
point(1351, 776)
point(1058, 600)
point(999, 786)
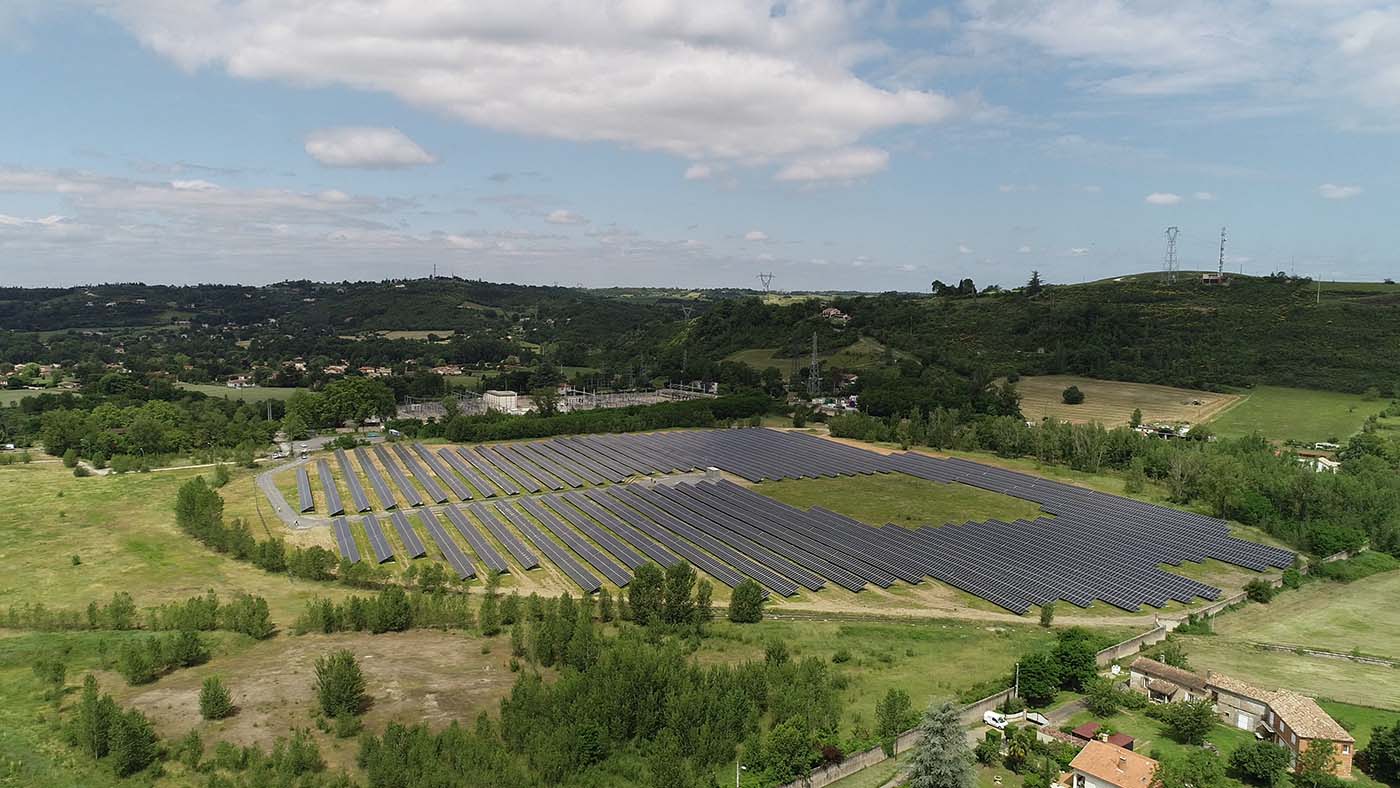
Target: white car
point(995, 719)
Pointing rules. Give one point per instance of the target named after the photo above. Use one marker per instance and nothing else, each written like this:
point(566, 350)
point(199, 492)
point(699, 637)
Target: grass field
point(1296, 414)
point(253, 394)
point(1337, 679)
point(10, 397)
point(1111, 403)
point(1149, 734)
point(896, 498)
point(1342, 617)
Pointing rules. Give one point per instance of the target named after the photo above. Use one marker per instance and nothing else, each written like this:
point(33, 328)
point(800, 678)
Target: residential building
point(1287, 718)
point(1104, 765)
point(1162, 683)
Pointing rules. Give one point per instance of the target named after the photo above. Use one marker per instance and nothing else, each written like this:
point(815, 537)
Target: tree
point(340, 686)
point(1173, 653)
point(1262, 762)
point(1034, 286)
point(745, 603)
point(132, 745)
point(894, 714)
point(942, 758)
point(1383, 754)
point(1194, 769)
point(1039, 677)
point(1136, 419)
point(70, 458)
point(1102, 698)
point(88, 728)
point(704, 611)
point(546, 399)
point(1076, 653)
point(678, 607)
point(645, 593)
point(1047, 614)
point(1261, 591)
point(1316, 765)
point(214, 700)
point(1072, 396)
point(1189, 722)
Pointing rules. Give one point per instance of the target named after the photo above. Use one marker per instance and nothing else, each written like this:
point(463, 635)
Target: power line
point(767, 280)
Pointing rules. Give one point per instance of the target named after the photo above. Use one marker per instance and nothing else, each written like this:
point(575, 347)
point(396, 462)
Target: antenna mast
point(766, 279)
point(1221, 268)
point(814, 374)
point(1170, 260)
point(685, 346)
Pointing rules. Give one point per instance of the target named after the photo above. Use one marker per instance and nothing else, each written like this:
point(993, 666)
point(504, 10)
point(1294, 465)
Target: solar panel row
point(377, 541)
point(357, 491)
point(345, 540)
point(333, 504)
point(304, 500)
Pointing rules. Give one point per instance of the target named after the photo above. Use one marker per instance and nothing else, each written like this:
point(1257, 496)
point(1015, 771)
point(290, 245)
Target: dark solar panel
point(357, 491)
point(344, 540)
point(407, 536)
point(333, 504)
point(304, 500)
point(377, 541)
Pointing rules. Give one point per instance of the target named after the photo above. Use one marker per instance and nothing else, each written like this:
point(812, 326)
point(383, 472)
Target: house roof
point(1114, 765)
point(1234, 686)
point(1162, 686)
point(1307, 719)
point(1121, 740)
point(1161, 670)
point(1087, 731)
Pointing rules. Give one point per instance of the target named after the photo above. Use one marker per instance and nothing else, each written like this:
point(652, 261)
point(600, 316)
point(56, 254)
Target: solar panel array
point(304, 500)
point(1088, 546)
point(333, 505)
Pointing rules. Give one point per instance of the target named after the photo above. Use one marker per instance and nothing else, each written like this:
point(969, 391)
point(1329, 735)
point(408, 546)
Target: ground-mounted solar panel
point(630, 534)
point(609, 542)
point(544, 544)
point(430, 485)
point(345, 540)
point(443, 472)
point(357, 491)
point(457, 559)
point(484, 488)
point(486, 469)
point(377, 541)
point(305, 502)
point(333, 505)
point(566, 534)
point(376, 481)
point(479, 544)
point(516, 548)
point(502, 467)
point(407, 536)
point(406, 488)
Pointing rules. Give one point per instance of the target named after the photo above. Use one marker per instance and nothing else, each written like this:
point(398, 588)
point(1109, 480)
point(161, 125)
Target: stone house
point(1103, 765)
point(1162, 683)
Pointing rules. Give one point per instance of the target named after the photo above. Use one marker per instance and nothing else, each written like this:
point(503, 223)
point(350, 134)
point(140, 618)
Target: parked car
point(995, 719)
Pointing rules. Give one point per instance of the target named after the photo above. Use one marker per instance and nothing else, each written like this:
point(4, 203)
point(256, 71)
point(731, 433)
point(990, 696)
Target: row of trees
point(199, 512)
point(245, 614)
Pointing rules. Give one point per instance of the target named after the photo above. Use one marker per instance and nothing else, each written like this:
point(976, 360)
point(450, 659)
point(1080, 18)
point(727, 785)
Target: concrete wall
point(1133, 645)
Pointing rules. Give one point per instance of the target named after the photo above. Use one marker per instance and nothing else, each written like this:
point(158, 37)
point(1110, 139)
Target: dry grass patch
point(1111, 403)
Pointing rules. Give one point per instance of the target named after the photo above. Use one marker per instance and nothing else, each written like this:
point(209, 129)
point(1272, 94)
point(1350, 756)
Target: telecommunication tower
point(1169, 263)
point(1220, 268)
point(685, 347)
point(814, 373)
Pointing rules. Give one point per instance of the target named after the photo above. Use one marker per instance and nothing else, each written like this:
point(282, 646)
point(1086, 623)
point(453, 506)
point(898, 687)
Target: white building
point(504, 401)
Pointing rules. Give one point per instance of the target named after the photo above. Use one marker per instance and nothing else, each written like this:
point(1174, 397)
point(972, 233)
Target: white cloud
point(370, 148)
point(755, 235)
point(1011, 188)
point(907, 268)
point(964, 249)
point(1093, 189)
point(194, 186)
point(1332, 191)
point(727, 80)
point(1024, 250)
point(1204, 196)
point(562, 216)
point(1079, 251)
point(838, 165)
point(698, 172)
point(1162, 198)
point(765, 257)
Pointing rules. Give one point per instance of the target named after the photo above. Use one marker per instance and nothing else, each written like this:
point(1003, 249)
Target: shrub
point(746, 603)
point(1260, 762)
point(70, 458)
point(340, 686)
point(1261, 591)
point(844, 655)
point(1072, 396)
point(81, 472)
point(214, 700)
point(1047, 614)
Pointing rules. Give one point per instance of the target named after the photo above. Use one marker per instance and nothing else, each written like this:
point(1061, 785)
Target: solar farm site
point(598, 506)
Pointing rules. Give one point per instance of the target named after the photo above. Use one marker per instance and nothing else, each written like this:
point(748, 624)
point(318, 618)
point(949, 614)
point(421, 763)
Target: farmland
point(1111, 403)
point(1340, 617)
point(1296, 414)
point(250, 394)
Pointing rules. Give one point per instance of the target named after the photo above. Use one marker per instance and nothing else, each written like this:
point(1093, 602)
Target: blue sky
point(853, 145)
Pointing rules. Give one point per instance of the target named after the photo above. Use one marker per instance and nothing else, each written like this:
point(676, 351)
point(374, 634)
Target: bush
point(1188, 723)
point(1261, 591)
point(746, 603)
point(214, 700)
point(1364, 565)
point(340, 686)
point(1072, 396)
point(1262, 763)
point(220, 476)
point(70, 458)
point(81, 472)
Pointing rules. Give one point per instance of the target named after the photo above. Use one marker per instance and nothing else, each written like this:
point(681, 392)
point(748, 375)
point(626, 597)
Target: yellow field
point(1111, 403)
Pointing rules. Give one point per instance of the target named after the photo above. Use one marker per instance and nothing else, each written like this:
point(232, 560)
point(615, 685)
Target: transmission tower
point(1220, 269)
point(815, 372)
point(685, 343)
point(766, 279)
point(1169, 266)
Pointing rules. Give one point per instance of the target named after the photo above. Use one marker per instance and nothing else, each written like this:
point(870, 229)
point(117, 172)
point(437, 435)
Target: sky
point(865, 145)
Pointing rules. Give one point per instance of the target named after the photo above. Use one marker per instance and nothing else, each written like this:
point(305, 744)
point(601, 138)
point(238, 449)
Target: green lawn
point(1150, 736)
point(254, 394)
point(1360, 721)
point(897, 498)
point(1360, 615)
point(861, 354)
point(1298, 414)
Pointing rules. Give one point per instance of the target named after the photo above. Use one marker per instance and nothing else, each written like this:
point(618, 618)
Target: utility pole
point(1169, 261)
point(767, 280)
point(814, 374)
